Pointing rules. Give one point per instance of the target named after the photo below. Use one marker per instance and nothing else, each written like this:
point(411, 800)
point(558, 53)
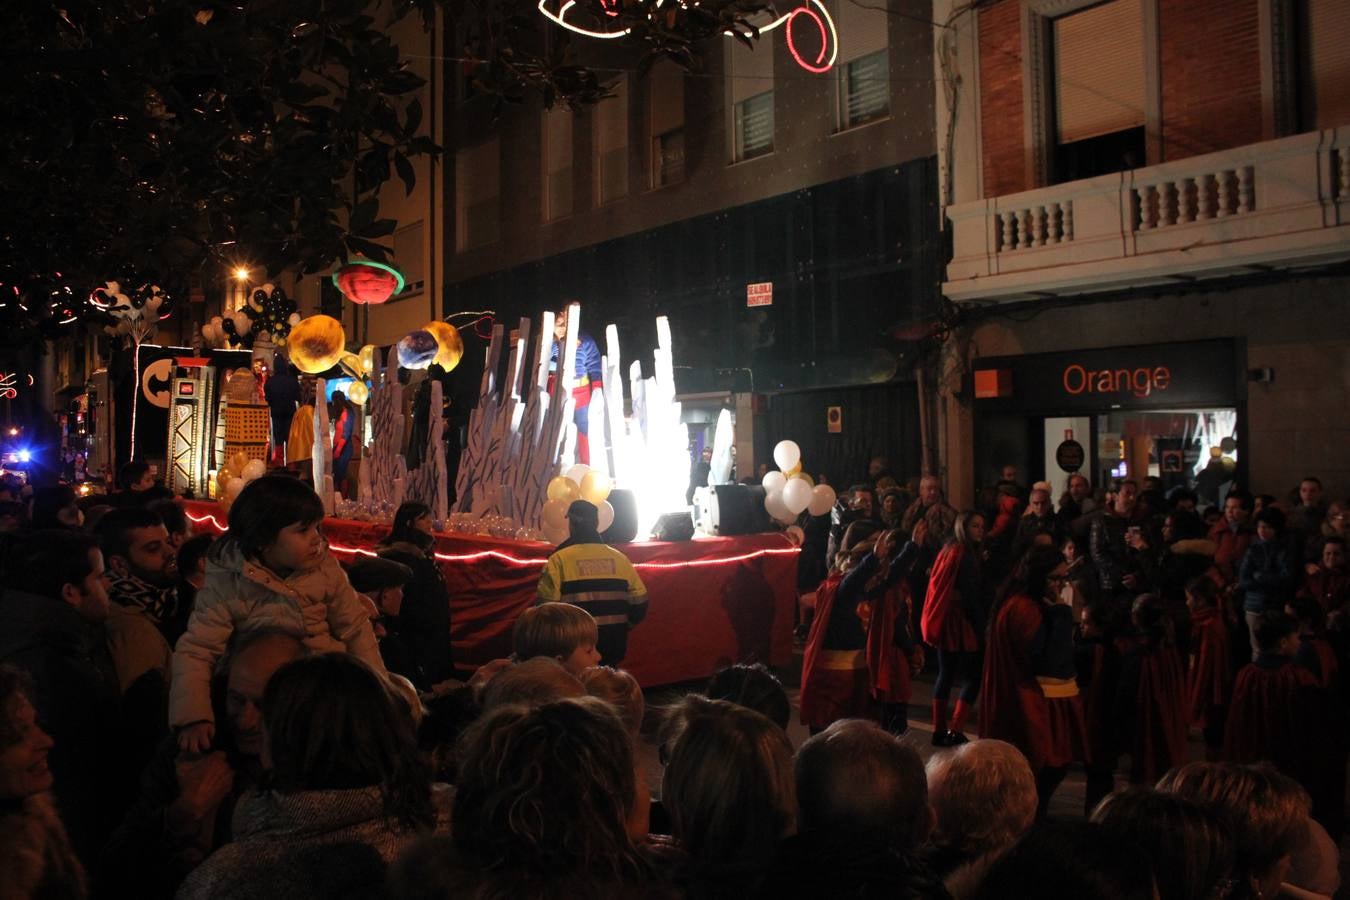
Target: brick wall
point(1000, 31)
point(1211, 84)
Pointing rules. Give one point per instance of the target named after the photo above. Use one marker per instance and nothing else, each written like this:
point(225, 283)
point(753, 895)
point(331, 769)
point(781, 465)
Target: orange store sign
point(1139, 382)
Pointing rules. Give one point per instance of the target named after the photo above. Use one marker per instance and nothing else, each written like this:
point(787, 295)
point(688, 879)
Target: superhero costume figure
point(589, 378)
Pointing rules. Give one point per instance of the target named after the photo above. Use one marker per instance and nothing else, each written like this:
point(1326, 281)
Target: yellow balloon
point(352, 363)
point(555, 514)
point(450, 343)
point(358, 393)
point(316, 344)
point(237, 462)
point(563, 490)
point(804, 477)
point(794, 470)
point(595, 487)
point(367, 359)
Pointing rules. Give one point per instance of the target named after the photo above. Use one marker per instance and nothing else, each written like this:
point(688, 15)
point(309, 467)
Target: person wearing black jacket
point(383, 580)
point(424, 618)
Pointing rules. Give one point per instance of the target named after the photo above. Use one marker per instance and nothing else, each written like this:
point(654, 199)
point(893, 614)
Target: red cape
point(1160, 715)
point(943, 624)
point(1012, 706)
point(1274, 716)
point(1210, 683)
point(829, 693)
point(887, 665)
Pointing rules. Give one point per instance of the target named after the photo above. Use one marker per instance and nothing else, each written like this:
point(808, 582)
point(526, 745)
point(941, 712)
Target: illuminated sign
point(800, 23)
point(1141, 381)
point(760, 294)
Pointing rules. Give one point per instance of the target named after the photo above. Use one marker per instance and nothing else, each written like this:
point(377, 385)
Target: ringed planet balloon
point(418, 350)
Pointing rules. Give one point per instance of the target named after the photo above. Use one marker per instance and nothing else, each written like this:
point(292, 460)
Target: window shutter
point(1328, 64)
point(611, 129)
point(868, 87)
point(751, 70)
point(755, 124)
point(409, 256)
point(667, 97)
point(862, 28)
point(1099, 70)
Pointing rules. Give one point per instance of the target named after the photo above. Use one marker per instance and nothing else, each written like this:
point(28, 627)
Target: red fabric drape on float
point(714, 601)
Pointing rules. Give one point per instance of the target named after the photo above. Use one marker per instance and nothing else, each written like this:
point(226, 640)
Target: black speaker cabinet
point(736, 509)
point(674, 527)
point(624, 527)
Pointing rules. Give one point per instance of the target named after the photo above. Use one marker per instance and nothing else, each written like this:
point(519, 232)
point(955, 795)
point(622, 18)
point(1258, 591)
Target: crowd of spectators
point(242, 716)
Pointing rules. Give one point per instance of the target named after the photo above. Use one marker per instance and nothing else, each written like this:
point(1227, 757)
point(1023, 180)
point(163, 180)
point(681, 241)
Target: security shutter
point(1327, 45)
point(611, 144)
point(1099, 70)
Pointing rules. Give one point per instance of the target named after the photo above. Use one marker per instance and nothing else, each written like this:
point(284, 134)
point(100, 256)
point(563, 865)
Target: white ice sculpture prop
point(323, 449)
point(720, 470)
point(427, 483)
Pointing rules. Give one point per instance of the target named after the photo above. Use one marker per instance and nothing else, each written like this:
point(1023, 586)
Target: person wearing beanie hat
point(586, 572)
point(382, 580)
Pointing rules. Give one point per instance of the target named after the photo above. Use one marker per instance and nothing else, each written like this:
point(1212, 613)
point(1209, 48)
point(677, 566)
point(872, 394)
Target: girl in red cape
point(954, 615)
point(1209, 682)
point(1030, 692)
point(893, 656)
point(1151, 700)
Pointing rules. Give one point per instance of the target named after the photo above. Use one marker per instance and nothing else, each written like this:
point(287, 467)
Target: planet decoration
point(450, 343)
point(418, 349)
point(317, 344)
point(368, 282)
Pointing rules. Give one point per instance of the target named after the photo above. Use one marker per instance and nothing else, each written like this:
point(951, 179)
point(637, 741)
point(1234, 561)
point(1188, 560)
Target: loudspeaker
point(624, 527)
point(674, 527)
point(734, 509)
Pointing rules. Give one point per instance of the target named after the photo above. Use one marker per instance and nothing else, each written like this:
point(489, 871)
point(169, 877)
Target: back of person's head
point(131, 473)
point(856, 777)
point(1308, 612)
point(858, 533)
point(983, 796)
point(547, 790)
point(193, 552)
point(1186, 524)
point(1062, 861)
point(1189, 843)
point(1205, 591)
point(1273, 628)
point(115, 529)
point(268, 504)
point(1150, 616)
point(754, 687)
point(533, 682)
point(13, 515)
point(172, 515)
point(728, 785)
point(1031, 576)
point(553, 630)
point(620, 690)
point(332, 724)
point(55, 506)
point(1266, 811)
point(448, 716)
point(404, 528)
point(45, 561)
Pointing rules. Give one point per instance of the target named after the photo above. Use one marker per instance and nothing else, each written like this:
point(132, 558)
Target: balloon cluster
point(580, 482)
point(135, 315)
point(789, 491)
point(359, 366)
point(238, 471)
point(268, 315)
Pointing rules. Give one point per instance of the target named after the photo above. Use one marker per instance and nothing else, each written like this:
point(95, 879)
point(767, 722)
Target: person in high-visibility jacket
point(589, 378)
point(588, 573)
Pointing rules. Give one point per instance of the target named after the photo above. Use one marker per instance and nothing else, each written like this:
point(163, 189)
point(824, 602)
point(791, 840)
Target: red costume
point(1042, 717)
point(1210, 682)
point(943, 624)
point(834, 682)
point(887, 659)
point(1156, 677)
point(1229, 547)
point(1330, 588)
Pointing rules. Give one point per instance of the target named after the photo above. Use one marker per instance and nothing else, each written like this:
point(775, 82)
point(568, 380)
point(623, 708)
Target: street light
point(241, 273)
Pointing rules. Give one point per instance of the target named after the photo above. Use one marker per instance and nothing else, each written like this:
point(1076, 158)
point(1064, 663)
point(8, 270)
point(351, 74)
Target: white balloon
point(293, 319)
point(576, 473)
point(256, 468)
point(217, 321)
point(242, 322)
point(233, 487)
point(796, 495)
point(822, 499)
point(787, 454)
point(606, 516)
point(775, 507)
point(795, 534)
point(774, 481)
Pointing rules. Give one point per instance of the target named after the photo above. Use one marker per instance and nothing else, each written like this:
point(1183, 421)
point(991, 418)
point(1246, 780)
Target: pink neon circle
point(824, 40)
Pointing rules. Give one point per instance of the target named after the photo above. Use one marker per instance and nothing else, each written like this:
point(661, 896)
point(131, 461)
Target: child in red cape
point(954, 617)
point(834, 681)
point(1150, 701)
point(1097, 651)
point(1314, 650)
point(1280, 714)
point(1209, 683)
point(1030, 693)
point(893, 656)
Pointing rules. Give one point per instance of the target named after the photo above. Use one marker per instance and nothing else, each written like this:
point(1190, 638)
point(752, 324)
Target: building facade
point(1148, 204)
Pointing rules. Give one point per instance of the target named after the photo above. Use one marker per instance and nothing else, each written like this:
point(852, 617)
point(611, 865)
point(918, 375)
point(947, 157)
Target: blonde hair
point(553, 629)
point(983, 796)
point(620, 690)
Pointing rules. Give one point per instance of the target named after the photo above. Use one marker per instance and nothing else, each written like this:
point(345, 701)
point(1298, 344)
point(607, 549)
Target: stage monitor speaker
point(624, 527)
point(736, 509)
point(674, 527)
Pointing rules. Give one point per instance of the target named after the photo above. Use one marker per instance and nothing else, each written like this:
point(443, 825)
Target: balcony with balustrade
point(1281, 204)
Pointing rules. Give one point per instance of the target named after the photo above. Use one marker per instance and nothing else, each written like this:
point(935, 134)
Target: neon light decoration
point(539, 561)
point(561, 14)
point(9, 387)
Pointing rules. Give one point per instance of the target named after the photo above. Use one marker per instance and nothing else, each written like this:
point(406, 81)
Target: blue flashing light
point(25, 456)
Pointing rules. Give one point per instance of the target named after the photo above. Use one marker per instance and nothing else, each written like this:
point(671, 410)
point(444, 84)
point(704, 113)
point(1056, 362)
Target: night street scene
point(675, 449)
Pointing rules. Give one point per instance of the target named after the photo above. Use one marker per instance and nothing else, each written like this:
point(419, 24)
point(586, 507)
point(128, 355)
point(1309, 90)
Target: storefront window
point(1196, 449)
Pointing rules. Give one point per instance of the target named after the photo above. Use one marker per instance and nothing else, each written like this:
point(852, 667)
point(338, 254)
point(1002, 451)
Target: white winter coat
point(316, 605)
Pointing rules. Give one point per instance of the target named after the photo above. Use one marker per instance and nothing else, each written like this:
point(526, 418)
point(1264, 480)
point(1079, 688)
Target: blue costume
point(589, 377)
